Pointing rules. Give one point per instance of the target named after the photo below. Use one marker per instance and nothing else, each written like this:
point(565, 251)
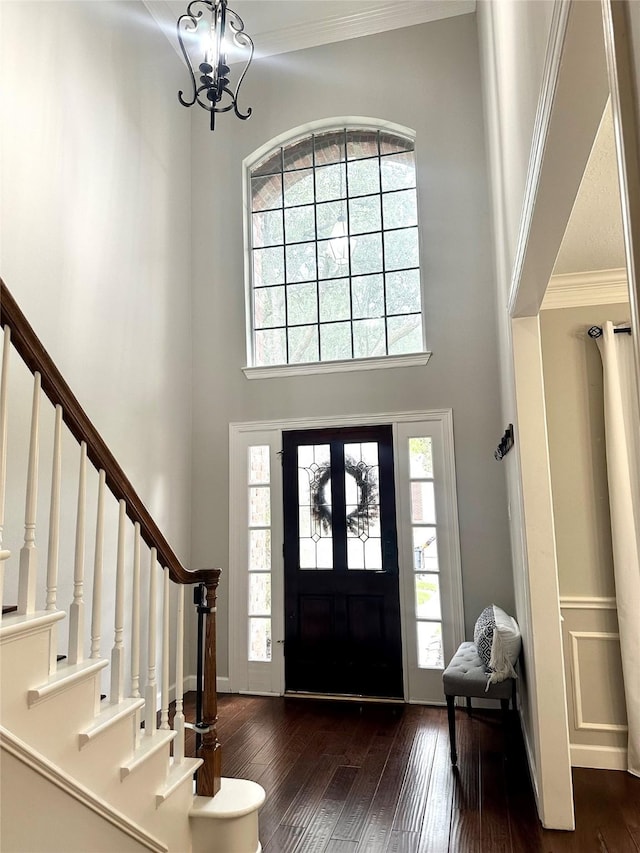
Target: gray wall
point(427, 78)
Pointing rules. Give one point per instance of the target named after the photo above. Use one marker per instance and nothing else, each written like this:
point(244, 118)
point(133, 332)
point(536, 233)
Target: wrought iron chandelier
point(211, 42)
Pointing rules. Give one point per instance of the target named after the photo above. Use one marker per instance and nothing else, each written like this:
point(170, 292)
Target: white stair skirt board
point(59, 793)
point(228, 823)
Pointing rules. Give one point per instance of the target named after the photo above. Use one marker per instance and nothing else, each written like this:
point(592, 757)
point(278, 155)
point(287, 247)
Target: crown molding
point(597, 287)
point(377, 18)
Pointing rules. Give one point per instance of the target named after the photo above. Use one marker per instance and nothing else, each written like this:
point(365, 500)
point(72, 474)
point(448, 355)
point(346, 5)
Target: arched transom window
point(335, 270)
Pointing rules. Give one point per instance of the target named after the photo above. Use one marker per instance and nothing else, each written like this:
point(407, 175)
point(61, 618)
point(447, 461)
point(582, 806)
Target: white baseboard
point(599, 757)
point(528, 748)
point(190, 683)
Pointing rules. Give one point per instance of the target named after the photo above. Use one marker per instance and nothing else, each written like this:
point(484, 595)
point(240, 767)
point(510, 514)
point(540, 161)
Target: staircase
point(80, 770)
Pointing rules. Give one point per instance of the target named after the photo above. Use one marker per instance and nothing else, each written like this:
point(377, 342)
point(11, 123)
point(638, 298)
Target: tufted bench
point(466, 676)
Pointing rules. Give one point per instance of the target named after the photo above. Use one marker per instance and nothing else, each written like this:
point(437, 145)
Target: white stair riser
point(24, 662)
point(97, 764)
point(136, 796)
point(52, 725)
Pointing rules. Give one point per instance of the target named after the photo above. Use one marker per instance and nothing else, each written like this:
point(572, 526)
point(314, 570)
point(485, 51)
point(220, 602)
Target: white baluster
point(117, 654)
point(150, 691)
point(54, 534)
point(135, 616)
point(164, 704)
point(28, 552)
point(178, 720)
point(96, 610)
point(4, 388)
point(76, 611)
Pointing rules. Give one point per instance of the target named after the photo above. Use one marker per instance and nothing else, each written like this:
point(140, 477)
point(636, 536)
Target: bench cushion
point(466, 676)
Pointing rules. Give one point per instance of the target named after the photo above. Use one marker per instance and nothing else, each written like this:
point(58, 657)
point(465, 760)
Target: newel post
point(208, 779)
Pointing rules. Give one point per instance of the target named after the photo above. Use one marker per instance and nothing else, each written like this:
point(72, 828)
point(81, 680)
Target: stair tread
point(20, 623)
point(178, 773)
point(107, 717)
point(65, 675)
point(148, 746)
point(236, 798)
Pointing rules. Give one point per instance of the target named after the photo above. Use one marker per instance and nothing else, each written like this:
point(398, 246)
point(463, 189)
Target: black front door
point(342, 608)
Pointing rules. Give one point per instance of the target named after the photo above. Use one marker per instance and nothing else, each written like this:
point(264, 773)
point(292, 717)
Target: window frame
point(290, 137)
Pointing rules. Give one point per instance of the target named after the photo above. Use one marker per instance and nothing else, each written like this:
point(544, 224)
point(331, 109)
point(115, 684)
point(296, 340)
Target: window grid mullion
point(348, 207)
point(315, 227)
point(284, 263)
point(384, 259)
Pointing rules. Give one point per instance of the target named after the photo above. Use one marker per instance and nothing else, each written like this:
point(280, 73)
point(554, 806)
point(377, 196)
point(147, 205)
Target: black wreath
point(367, 508)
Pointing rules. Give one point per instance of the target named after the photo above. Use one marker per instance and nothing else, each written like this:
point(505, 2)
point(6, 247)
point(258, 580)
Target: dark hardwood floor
point(348, 778)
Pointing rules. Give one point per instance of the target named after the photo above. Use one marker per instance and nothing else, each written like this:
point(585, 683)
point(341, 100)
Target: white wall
point(427, 78)
point(95, 215)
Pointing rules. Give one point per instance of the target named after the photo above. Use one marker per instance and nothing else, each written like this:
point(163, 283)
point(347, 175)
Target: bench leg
point(451, 714)
point(504, 704)
point(469, 705)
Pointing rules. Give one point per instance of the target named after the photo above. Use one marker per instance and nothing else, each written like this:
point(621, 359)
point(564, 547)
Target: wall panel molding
point(581, 723)
point(587, 602)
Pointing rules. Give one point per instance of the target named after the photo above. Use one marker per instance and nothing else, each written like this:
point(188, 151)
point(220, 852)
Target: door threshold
point(342, 697)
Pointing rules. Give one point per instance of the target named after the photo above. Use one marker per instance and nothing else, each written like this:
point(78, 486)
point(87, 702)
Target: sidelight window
point(259, 592)
point(426, 569)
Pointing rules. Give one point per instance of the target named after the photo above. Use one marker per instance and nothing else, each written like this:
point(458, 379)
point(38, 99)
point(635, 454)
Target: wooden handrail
point(37, 359)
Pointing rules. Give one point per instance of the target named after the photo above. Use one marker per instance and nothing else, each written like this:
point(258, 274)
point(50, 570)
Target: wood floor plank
point(436, 826)
point(354, 815)
point(284, 839)
point(464, 836)
point(380, 817)
point(624, 789)
point(495, 831)
point(307, 798)
point(328, 812)
point(600, 818)
point(318, 833)
point(403, 842)
point(336, 845)
point(413, 796)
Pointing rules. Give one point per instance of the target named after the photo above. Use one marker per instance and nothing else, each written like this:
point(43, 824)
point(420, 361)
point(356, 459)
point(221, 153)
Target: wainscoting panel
point(595, 688)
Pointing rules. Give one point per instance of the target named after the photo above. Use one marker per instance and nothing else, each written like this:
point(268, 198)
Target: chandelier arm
point(243, 40)
point(194, 24)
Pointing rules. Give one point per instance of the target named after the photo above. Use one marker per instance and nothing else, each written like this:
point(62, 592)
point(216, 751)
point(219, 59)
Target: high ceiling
point(593, 239)
point(277, 26)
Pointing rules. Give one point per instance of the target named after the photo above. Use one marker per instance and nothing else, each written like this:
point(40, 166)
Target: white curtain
point(622, 429)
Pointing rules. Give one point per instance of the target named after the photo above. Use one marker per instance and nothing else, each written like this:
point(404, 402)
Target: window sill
point(415, 359)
